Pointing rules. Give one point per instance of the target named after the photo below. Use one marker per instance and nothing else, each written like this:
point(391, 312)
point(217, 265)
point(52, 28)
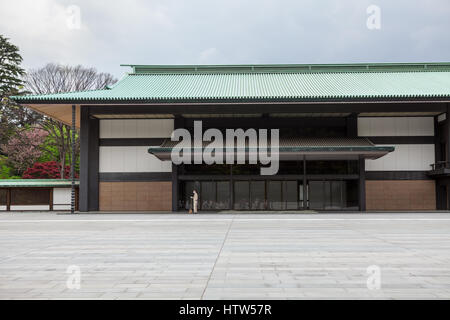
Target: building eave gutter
point(232, 101)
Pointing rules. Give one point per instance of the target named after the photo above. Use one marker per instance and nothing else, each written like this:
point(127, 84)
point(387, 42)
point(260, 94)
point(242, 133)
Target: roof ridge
point(281, 72)
point(283, 68)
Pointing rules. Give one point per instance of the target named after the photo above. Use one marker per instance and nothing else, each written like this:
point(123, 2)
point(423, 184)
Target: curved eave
point(431, 98)
point(367, 152)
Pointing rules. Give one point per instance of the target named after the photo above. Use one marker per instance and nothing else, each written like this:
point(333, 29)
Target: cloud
point(43, 32)
point(225, 31)
point(208, 55)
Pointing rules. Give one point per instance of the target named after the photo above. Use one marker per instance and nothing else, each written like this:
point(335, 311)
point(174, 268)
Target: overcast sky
point(111, 33)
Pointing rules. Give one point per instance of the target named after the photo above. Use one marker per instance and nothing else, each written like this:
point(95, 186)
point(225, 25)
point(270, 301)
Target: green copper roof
point(36, 183)
point(267, 83)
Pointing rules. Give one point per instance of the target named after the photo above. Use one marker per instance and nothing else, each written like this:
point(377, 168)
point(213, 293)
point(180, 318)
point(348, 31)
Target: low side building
point(36, 194)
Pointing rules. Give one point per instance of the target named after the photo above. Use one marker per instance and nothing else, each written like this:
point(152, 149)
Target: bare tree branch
point(55, 78)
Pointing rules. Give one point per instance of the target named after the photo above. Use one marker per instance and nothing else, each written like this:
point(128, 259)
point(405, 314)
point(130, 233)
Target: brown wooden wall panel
point(400, 195)
point(135, 196)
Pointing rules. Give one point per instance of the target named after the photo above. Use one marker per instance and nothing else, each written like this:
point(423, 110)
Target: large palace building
point(351, 137)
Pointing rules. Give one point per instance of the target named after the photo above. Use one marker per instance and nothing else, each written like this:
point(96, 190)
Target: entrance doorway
point(273, 195)
point(299, 185)
point(332, 195)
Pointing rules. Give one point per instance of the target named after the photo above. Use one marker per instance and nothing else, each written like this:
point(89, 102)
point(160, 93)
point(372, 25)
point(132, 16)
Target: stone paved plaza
point(225, 256)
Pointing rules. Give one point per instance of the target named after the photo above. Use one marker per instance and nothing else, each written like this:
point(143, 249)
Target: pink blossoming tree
point(24, 148)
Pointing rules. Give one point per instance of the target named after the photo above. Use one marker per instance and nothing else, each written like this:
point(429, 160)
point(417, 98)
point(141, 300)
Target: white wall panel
point(131, 159)
point(30, 207)
point(395, 126)
point(136, 128)
point(406, 157)
point(61, 207)
point(62, 195)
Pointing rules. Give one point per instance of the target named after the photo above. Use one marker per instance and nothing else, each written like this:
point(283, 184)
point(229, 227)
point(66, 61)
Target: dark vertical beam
point(446, 198)
point(445, 155)
point(77, 199)
point(362, 184)
point(447, 133)
point(437, 141)
point(178, 122)
point(266, 202)
point(352, 132)
point(89, 162)
point(50, 204)
point(441, 202)
point(8, 199)
point(84, 159)
point(94, 164)
point(72, 167)
point(231, 188)
point(441, 196)
point(352, 125)
point(174, 187)
point(305, 194)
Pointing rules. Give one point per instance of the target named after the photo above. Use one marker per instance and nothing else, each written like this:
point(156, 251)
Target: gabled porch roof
point(296, 148)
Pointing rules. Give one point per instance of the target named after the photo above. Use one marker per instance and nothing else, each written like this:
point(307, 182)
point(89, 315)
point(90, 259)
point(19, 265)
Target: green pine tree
point(10, 70)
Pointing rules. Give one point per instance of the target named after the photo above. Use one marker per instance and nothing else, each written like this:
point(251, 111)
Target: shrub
point(47, 170)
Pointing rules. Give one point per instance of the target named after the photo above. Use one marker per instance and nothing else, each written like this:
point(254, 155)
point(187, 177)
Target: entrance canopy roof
point(297, 148)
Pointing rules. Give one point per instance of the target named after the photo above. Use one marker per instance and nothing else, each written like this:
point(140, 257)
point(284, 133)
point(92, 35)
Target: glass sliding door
point(301, 203)
point(335, 195)
point(274, 195)
point(213, 195)
point(329, 195)
point(316, 195)
point(208, 195)
point(351, 195)
point(258, 195)
point(223, 195)
point(290, 195)
point(188, 191)
point(241, 195)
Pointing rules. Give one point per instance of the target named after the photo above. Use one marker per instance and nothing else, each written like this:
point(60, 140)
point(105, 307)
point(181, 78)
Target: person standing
point(195, 201)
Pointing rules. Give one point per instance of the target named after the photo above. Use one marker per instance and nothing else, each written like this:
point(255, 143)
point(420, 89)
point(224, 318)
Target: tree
point(12, 116)
point(55, 78)
point(10, 70)
point(24, 148)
